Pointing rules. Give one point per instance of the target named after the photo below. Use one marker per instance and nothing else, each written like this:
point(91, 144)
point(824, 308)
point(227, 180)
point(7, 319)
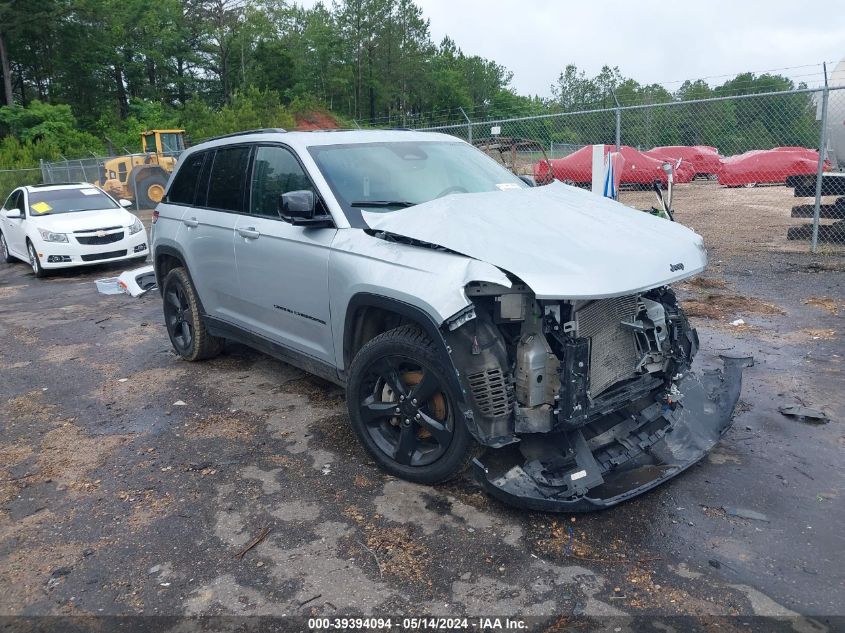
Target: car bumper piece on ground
point(655, 444)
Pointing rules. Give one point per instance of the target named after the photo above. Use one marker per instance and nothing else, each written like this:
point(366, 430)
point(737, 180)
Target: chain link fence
point(751, 162)
point(125, 176)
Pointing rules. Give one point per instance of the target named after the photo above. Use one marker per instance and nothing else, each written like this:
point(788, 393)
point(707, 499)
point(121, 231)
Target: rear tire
point(426, 442)
point(5, 255)
point(34, 262)
point(183, 318)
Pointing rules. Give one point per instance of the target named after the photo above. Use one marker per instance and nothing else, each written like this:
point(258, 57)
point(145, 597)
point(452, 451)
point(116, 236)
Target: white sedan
point(59, 226)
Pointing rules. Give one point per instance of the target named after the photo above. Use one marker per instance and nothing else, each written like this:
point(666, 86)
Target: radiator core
point(613, 351)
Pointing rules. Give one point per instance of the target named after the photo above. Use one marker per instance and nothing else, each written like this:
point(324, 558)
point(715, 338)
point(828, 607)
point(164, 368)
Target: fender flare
point(173, 252)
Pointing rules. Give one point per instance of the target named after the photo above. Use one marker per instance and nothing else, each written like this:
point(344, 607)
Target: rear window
point(184, 186)
point(69, 201)
point(227, 180)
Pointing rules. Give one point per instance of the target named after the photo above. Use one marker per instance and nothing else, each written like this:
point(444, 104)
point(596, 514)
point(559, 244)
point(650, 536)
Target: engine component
point(537, 367)
point(510, 307)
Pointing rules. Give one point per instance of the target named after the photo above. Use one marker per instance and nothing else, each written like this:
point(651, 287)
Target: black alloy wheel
point(404, 409)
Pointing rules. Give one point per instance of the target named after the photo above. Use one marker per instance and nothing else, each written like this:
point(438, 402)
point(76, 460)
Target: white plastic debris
point(738, 322)
point(137, 282)
point(122, 379)
point(179, 403)
point(108, 286)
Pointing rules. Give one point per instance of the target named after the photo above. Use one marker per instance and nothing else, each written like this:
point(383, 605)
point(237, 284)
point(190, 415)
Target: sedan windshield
point(384, 177)
point(69, 200)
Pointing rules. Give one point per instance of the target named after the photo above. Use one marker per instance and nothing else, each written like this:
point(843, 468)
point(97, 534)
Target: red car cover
point(768, 166)
point(638, 169)
point(704, 159)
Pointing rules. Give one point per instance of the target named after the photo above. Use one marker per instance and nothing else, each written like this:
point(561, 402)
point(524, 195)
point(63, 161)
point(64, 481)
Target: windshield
point(384, 177)
point(68, 201)
point(171, 143)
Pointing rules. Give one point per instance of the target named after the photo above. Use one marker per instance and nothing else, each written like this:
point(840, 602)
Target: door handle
point(191, 222)
point(249, 232)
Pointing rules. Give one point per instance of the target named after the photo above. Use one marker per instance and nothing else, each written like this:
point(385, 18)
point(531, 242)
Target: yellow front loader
point(142, 177)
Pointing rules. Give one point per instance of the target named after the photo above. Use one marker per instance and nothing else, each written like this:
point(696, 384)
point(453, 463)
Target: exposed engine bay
point(578, 398)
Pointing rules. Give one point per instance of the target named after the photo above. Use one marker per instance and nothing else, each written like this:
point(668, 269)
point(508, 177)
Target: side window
point(275, 171)
point(227, 179)
point(21, 203)
point(184, 186)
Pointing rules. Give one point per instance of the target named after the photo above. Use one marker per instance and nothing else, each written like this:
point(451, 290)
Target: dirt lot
point(131, 480)
point(742, 221)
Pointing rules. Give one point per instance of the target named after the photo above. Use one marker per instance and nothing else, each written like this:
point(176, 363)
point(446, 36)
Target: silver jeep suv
point(470, 316)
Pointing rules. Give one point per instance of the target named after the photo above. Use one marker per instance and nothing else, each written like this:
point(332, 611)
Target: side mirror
point(299, 207)
point(125, 203)
point(14, 214)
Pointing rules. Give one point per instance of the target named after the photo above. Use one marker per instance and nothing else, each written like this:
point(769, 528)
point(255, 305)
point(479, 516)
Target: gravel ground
point(130, 480)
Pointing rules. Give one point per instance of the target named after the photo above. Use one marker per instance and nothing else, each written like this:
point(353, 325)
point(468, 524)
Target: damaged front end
point(585, 403)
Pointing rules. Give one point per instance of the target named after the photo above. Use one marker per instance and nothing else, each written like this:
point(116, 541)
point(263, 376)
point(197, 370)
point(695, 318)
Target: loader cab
point(163, 142)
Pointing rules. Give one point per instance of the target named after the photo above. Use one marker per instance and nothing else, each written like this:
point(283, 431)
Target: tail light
point(155, 217)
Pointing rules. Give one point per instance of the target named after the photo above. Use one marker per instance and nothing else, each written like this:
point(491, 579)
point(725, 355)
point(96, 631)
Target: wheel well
point(366, 323)
point(164, 263)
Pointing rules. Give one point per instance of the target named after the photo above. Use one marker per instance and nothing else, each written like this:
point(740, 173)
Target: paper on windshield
point(89, 192)
point(41, 207)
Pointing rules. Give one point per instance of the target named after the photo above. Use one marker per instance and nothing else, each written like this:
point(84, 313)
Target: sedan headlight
point(136, 227)
point(49, 236)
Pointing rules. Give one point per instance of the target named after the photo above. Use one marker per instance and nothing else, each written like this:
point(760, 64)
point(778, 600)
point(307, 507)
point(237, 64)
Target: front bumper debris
point(641, 447)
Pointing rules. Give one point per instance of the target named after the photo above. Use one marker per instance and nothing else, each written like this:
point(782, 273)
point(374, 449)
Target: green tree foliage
point(52, 125)
point(249, 110)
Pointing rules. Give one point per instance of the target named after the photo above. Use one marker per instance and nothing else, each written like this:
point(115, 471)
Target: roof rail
point(266, 130)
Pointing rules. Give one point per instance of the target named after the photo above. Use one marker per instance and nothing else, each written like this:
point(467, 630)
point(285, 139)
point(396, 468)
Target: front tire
point(150, 190)
point(5, 255)
point(403, 408)
point(34, 262)
point(183, 318)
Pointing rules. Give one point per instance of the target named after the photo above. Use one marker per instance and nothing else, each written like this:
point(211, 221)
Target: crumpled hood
point(562, 241)
point(83, 220)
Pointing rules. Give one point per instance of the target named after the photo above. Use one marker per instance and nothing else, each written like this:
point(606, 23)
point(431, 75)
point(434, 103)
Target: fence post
point(618, 120)
point(469, 126)
point(820, 169)
point(618, 129)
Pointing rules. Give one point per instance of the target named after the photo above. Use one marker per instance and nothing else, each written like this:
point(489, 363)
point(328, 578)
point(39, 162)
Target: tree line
point(83, 77)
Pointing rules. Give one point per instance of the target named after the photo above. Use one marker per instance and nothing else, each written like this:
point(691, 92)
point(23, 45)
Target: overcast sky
point(650, 41)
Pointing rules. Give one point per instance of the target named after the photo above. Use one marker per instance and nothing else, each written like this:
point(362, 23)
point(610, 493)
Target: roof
point(51, 186)
point(304, 139)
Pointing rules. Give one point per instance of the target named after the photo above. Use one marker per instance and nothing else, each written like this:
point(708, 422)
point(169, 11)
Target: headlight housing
point(136, 227)
point(49, 236)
